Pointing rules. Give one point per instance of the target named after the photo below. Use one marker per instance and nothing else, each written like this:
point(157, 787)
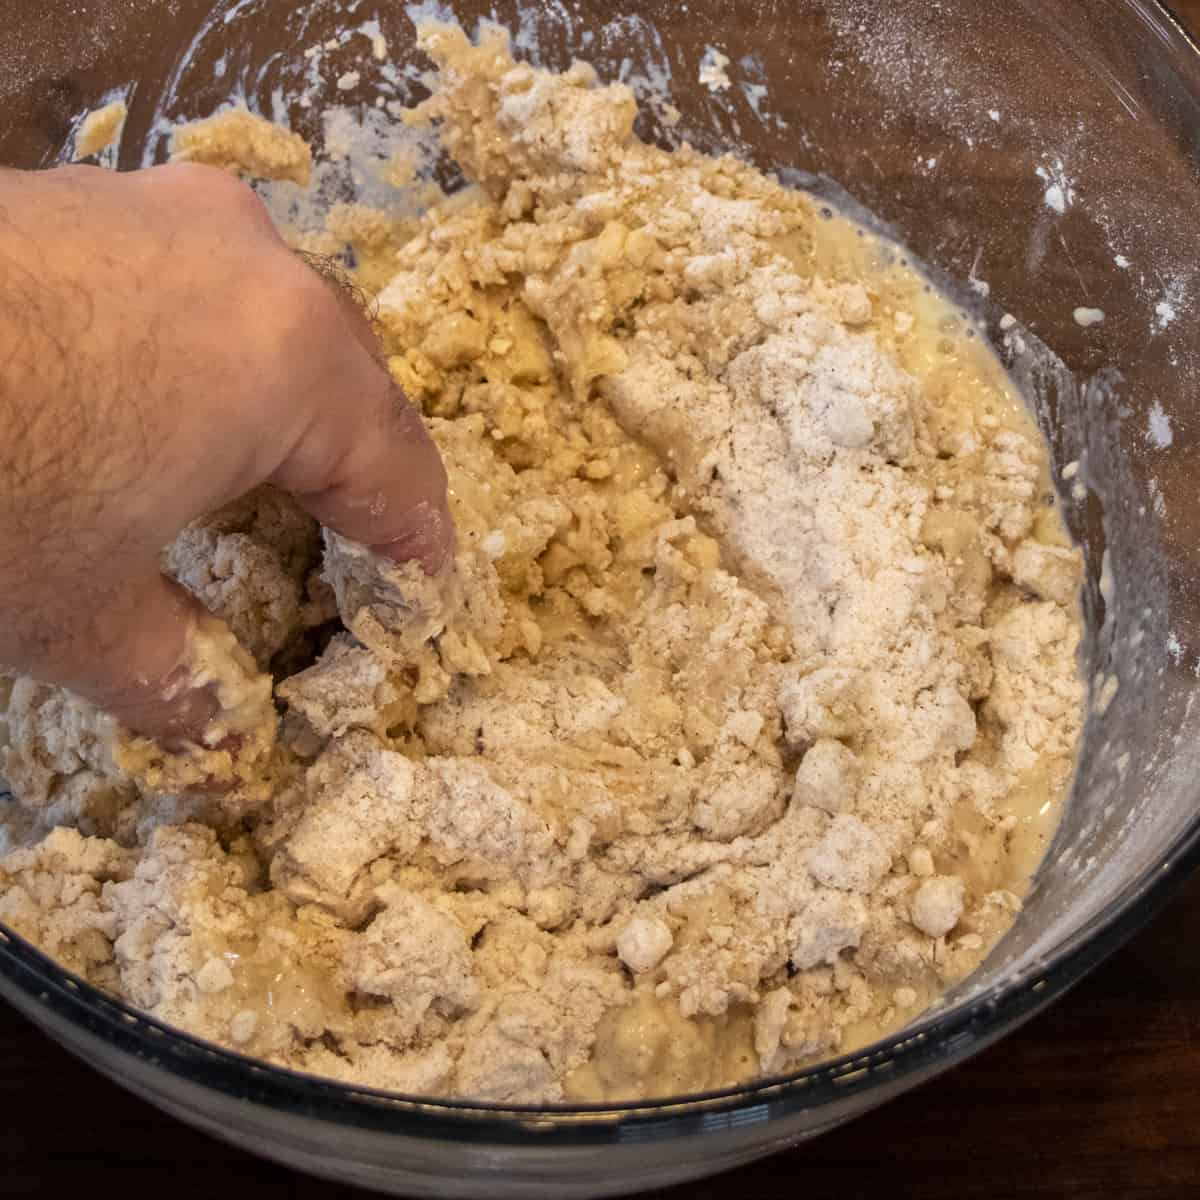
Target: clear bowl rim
point(932, 1043)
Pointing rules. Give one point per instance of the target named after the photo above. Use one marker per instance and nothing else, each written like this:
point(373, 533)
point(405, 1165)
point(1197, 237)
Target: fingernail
point(427, 538)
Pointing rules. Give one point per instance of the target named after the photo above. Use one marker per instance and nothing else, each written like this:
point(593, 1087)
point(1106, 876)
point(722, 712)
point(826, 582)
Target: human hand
point(161, 353)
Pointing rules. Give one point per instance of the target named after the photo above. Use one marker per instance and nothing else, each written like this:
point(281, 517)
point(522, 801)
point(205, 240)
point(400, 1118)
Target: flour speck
point(1060, 189)
point(1159, 432)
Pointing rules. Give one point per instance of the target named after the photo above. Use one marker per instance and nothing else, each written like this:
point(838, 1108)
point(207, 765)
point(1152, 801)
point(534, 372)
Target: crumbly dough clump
point(100, 129)
point(716, 748)
point(241, 141)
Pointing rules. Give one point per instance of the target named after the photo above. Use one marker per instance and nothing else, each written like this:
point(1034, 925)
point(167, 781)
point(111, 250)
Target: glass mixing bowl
point(1042, 152)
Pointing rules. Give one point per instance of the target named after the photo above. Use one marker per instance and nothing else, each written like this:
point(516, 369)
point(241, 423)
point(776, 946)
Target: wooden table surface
point(1100, 1096)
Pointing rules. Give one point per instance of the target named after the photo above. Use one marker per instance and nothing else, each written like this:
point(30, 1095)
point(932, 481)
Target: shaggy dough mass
point(735, 730)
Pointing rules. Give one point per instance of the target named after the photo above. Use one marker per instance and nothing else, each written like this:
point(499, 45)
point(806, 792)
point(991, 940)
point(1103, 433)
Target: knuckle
point(295, 302)
point(217, 189)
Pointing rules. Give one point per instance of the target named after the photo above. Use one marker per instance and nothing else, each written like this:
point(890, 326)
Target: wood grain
point(1098, 1097)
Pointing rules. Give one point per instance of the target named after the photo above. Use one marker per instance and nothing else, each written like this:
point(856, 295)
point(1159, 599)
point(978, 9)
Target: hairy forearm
point(62, 459)
point(41, 362)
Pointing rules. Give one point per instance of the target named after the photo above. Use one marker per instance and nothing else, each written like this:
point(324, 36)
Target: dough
point(238, 140)
point(100, 130)
point(704, 757)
